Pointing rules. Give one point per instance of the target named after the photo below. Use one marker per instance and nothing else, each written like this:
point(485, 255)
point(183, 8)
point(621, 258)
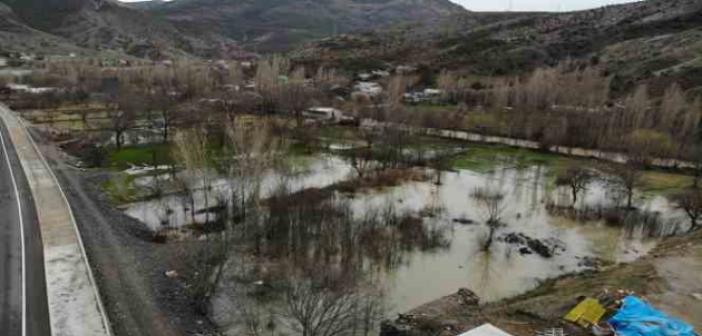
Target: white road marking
point(21, 220)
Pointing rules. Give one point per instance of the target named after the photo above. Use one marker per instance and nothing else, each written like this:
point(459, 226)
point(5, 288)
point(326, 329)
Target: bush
point(94, 156)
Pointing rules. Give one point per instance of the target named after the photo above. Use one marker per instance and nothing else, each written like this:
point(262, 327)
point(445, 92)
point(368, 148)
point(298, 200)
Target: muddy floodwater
point(503, 271)
point(173, 210)
point(510, 267)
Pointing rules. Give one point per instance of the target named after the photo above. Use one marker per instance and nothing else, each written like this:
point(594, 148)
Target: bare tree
point(690, 201)
point(234, 104)
point(320, 311)
point(270, 76)
point(576, 178)
point(697, 161)
point(296, 95)
point(491, 201)
point(624, 178)
point(191, 151)
point(123, 116)
point(165, 102)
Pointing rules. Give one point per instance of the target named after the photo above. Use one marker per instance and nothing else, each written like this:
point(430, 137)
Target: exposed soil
point(669, 277)
point(129, 266)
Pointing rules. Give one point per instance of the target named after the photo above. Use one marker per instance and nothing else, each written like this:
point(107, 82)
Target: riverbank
point(668, 277)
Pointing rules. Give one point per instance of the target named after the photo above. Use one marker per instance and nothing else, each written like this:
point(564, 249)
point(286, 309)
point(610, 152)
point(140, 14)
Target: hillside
point(15, 36)
point(204, 28)
point(638, 40)
point(276, 25)
point(109, 25)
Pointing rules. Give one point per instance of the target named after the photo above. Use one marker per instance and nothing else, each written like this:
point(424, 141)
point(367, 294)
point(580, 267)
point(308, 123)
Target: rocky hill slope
point(109, 25)
point(16, 36)
point(206, 28)
point(275, 25)
point(660, 38)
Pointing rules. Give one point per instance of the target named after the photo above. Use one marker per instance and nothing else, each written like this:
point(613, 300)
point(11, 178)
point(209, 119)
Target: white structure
point(365, 76)
point(432, 92)
point(423, 96)
point(381, 73)
point(369, 88)
point(29, 89)
point(326, 114)
point(486, 329)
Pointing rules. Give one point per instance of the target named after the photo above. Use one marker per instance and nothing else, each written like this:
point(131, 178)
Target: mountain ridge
point(639, 41)
point(277, 25)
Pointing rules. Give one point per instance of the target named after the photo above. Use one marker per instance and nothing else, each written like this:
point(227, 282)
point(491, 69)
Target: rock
point(468, 298)
point(514, 238)
point(525, 251)
point(172, 274)
point(389, 328)
point(463, 221)
point(405, 318)
point(589, 262)
point(697, 296)
point(449, 325)
point(530, 245)
point(540, 248)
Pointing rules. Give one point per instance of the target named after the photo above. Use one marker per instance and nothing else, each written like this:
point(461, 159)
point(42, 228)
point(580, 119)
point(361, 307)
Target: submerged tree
point(624, 178)
point(576, 178)
point(491, 201)
point(690, 201)
point(191, 152)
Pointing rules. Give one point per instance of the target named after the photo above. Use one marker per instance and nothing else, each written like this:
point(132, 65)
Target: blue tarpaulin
point(637, 318)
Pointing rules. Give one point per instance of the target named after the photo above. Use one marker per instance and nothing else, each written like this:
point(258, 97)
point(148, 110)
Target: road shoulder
point(75, 306)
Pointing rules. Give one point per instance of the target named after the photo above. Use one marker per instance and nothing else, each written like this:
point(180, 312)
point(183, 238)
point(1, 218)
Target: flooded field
point(536, 239)
point(173, 211)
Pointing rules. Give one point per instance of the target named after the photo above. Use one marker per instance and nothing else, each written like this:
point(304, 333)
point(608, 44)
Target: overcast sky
point(527, 5)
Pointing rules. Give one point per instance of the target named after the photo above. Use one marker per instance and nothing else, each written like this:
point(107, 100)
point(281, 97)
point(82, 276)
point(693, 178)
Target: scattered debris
point(468, 298)
point(545, 248)
point(551, 332)
point(603, 329)
point(636, 317)
point(486, 329)
point(587, 313)
point(590, 262)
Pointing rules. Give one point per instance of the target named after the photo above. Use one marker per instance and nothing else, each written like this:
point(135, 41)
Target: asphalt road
point(23, 300)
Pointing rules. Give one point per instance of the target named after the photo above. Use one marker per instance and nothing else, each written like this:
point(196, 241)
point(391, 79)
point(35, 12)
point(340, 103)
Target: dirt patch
point(682, 296)
point(383, 179)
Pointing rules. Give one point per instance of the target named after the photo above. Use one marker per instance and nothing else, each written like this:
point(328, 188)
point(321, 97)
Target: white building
point(327, 114)
point(369, 88)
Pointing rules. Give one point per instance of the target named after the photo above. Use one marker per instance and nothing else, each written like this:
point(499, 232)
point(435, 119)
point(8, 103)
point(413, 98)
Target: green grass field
point(158, 154)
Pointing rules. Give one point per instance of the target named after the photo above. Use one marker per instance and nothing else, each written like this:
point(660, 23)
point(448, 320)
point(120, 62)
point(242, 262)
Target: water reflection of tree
point(313, 309)
point(487, 270)
point(317, 227)
point(490, 200)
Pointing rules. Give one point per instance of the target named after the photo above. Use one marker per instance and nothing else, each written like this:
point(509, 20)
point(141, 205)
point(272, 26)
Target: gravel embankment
point(129, 267)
